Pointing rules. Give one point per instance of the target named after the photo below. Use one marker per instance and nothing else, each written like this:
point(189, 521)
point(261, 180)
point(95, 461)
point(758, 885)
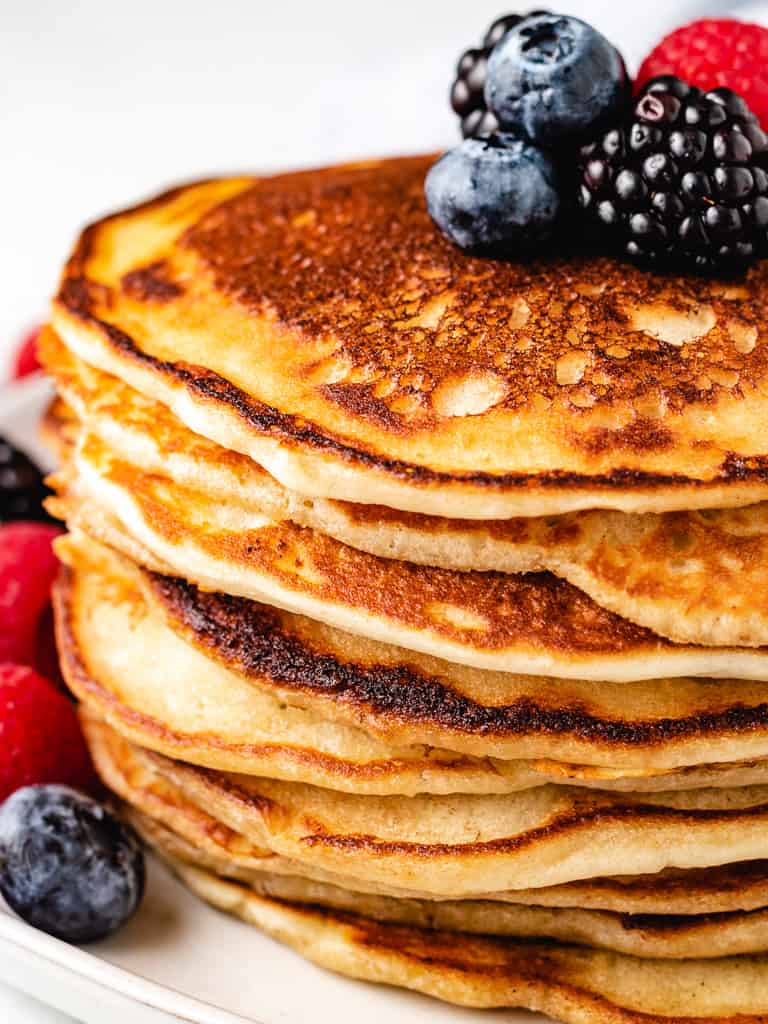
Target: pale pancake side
point(150, 797)
point(664, 937)
point(320, 323)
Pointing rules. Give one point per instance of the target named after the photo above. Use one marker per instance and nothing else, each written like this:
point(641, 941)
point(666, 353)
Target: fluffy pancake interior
point(460, 846)
point(263, 692)
point(694, 577)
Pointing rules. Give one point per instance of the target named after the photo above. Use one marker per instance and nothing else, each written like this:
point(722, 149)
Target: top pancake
point(319, 323)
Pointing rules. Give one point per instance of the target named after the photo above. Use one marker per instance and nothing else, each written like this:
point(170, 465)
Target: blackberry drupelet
point(468, 90)
point(22, 490)
point(681, 182)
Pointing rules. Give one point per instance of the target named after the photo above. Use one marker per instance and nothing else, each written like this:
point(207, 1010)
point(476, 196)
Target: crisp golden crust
point(300, 658)
point(533, 623)
point(361, 354)
point(694, 577)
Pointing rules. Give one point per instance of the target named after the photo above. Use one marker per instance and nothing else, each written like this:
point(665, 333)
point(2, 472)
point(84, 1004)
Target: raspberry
point(46, 655)
point(26, 360)
point(715, 53)
point(28, 567)
point(42, 740)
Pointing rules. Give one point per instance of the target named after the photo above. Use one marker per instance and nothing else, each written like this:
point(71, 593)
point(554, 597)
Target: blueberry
point(495, 195)
point(67, 865)
point(553, 78)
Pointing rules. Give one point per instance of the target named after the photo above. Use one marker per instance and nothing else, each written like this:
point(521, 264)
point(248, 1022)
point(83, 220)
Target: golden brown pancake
point(456, 846)
point(319, 323)
point(533, 623)
point(665, 937)
point(263, 692)
point(571, 983)
point(694, 577)
point(157, 806)
point(621, 901)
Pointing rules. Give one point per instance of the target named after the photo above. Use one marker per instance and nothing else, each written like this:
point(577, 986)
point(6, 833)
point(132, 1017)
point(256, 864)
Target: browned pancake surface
point(324, 311)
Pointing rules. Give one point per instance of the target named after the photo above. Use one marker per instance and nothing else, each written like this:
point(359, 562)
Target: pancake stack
point(416, 603)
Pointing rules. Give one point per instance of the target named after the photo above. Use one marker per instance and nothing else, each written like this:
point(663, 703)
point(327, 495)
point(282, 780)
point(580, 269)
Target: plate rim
point(90, 967)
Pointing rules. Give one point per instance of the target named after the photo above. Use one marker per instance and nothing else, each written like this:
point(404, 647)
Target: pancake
point(460, 845)
point(694, 577)
point(359, 355)
point(266, 693)
point(532, 624)
point(571, 983)
point(637, 902)
point(665, 937)
point(158, 808)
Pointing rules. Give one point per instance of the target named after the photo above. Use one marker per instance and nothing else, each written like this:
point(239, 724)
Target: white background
point(103, 102)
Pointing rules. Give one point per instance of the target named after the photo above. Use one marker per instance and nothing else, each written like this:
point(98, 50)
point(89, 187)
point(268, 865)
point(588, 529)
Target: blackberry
point(22, 490)
point(468, 90)
point(681, 182)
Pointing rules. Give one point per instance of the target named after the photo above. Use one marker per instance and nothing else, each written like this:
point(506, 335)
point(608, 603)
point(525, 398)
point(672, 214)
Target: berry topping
point(22, 490)
point(26, 360)
point(468, 90)
point(28, 567)
point(554, 78)
point(715, 53)
point(681, 181)
point(67, 865)
point(496, 195)
point(42, 740)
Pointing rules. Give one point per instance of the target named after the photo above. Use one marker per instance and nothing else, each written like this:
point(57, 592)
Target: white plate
point(179, 959)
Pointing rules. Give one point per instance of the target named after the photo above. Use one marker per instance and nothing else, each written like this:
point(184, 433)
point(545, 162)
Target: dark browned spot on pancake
point(250, 637)
point(638, 436)
point(151, 283)
point(81, 295)
point(662, 924)
point(360, 400)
